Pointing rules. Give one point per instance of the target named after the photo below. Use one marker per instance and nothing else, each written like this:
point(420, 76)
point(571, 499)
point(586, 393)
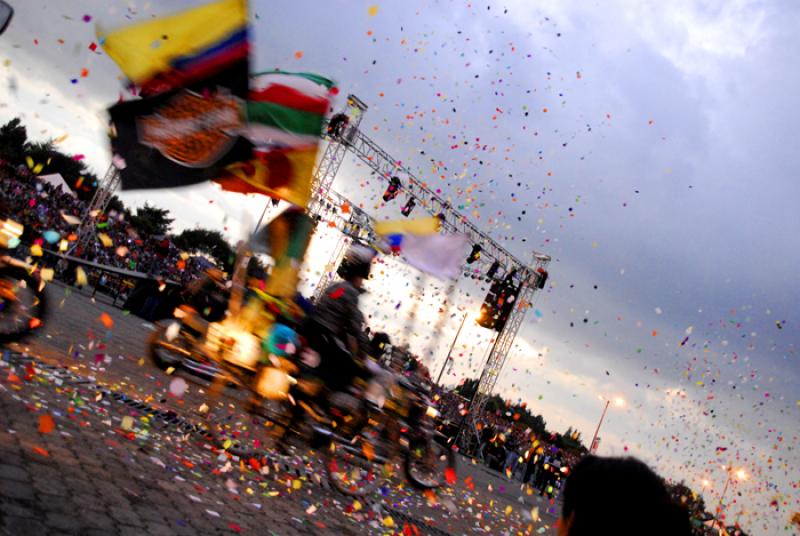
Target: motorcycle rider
point(209, 294)
point(336, 346)
point(335, 328)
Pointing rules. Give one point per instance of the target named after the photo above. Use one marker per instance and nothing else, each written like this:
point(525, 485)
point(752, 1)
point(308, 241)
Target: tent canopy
point(58, 181)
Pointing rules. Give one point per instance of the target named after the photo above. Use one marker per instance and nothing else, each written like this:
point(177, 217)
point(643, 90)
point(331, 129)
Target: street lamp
point(619, 402)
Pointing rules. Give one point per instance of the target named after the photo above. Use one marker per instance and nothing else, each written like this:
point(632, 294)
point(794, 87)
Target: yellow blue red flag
point(192, 69)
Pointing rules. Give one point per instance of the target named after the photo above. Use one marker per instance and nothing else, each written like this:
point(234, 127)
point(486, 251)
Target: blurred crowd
point(41, 207)
point(509, 447)
point(49, 215)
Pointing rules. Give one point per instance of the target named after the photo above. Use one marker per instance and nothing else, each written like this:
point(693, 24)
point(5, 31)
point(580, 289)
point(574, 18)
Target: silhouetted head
point(620, 496)
point(356, 264)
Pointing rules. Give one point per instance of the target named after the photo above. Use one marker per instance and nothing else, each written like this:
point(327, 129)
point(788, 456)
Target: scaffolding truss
point(502, 346)
point(359, 225)
point(102, 196)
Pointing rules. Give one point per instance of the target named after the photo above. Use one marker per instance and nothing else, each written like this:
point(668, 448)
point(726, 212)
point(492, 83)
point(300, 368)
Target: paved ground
point(76, 459)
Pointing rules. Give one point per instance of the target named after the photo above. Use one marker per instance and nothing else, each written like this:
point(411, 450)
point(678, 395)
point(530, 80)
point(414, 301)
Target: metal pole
point(597, 430)
point(450, 351)
point(261, 219)
point(722, 496)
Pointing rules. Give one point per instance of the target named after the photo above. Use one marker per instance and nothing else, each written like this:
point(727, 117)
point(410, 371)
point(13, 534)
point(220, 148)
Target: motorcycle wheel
point(427, 464)
point(352, 470)
point(23, 304)
point(158, 346)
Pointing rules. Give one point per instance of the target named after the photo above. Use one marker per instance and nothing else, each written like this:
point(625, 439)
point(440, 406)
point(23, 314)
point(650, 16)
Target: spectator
point(620, 496)
point(512, 456)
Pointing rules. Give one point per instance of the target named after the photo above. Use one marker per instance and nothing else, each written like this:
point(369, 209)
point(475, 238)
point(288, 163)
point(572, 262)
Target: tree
point(468, 388)
point(13, 138)
point(115, 204)
point(570, 444)
point(74, 172)
point(495, 403)
point(152, 221)
point(206, 241)
point(535, 423)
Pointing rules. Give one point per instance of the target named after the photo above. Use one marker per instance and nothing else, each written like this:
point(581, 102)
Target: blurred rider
point(209, 294)
point(336, 345)
point(335, 328)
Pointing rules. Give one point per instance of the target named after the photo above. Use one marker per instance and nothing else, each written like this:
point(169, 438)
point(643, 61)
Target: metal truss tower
point(102, 195)
point(321, 204)
point(354, 225)
point(499, 353)
point(359, 224)
point(334, 154)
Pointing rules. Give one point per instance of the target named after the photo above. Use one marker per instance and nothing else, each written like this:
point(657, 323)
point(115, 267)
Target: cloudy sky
point(649, 147)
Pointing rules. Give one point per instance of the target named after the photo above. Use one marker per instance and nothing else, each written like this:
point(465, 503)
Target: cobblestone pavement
point(79, 455)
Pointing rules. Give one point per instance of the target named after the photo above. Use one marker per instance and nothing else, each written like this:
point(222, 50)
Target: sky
point(648, 147)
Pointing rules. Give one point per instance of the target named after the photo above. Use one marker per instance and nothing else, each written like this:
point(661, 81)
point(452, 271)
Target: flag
point(420, 244)
point(286, 240)
point(285, 115)
point(176, 50)
point(440, 255)
point(420, 226)
point(193, 70)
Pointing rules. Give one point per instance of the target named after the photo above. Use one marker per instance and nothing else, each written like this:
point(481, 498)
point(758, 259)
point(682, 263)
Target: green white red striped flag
point(285, 115)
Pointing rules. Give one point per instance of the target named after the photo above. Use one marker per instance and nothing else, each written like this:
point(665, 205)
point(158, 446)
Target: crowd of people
point(511, 448)
point(41, 207)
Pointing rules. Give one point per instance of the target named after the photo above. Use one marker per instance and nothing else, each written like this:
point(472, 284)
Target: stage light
point(408, 207)
point(541, 278)
point(475, 254)
point(394, 188)
point(509, 280)
point(493, 270)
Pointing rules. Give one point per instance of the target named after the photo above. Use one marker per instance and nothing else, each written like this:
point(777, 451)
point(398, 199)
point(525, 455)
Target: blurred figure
point(209, 294)
point(336, 327)
point(620, 496)
point(550, 477)
point(337, 349)
point(512, 457)
point(337, 125)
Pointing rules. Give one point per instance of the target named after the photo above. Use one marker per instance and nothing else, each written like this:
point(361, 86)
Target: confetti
point(46, 424)
point(106, 320)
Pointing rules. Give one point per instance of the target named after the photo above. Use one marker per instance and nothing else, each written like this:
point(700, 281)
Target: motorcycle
point(23, 302)
point(355, 432)
point(400, 424)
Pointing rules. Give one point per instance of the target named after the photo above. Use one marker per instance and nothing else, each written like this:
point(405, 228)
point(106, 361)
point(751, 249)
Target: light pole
point(450, 351)
point(619, 402)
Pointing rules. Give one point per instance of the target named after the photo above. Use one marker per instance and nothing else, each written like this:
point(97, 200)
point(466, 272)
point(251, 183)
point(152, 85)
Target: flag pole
point(264, 213)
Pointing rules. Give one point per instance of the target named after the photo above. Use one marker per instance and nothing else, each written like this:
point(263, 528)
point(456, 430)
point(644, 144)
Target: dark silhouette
point(620, 496)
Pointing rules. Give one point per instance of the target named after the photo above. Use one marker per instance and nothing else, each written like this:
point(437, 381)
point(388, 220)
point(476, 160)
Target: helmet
point(356, 262)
